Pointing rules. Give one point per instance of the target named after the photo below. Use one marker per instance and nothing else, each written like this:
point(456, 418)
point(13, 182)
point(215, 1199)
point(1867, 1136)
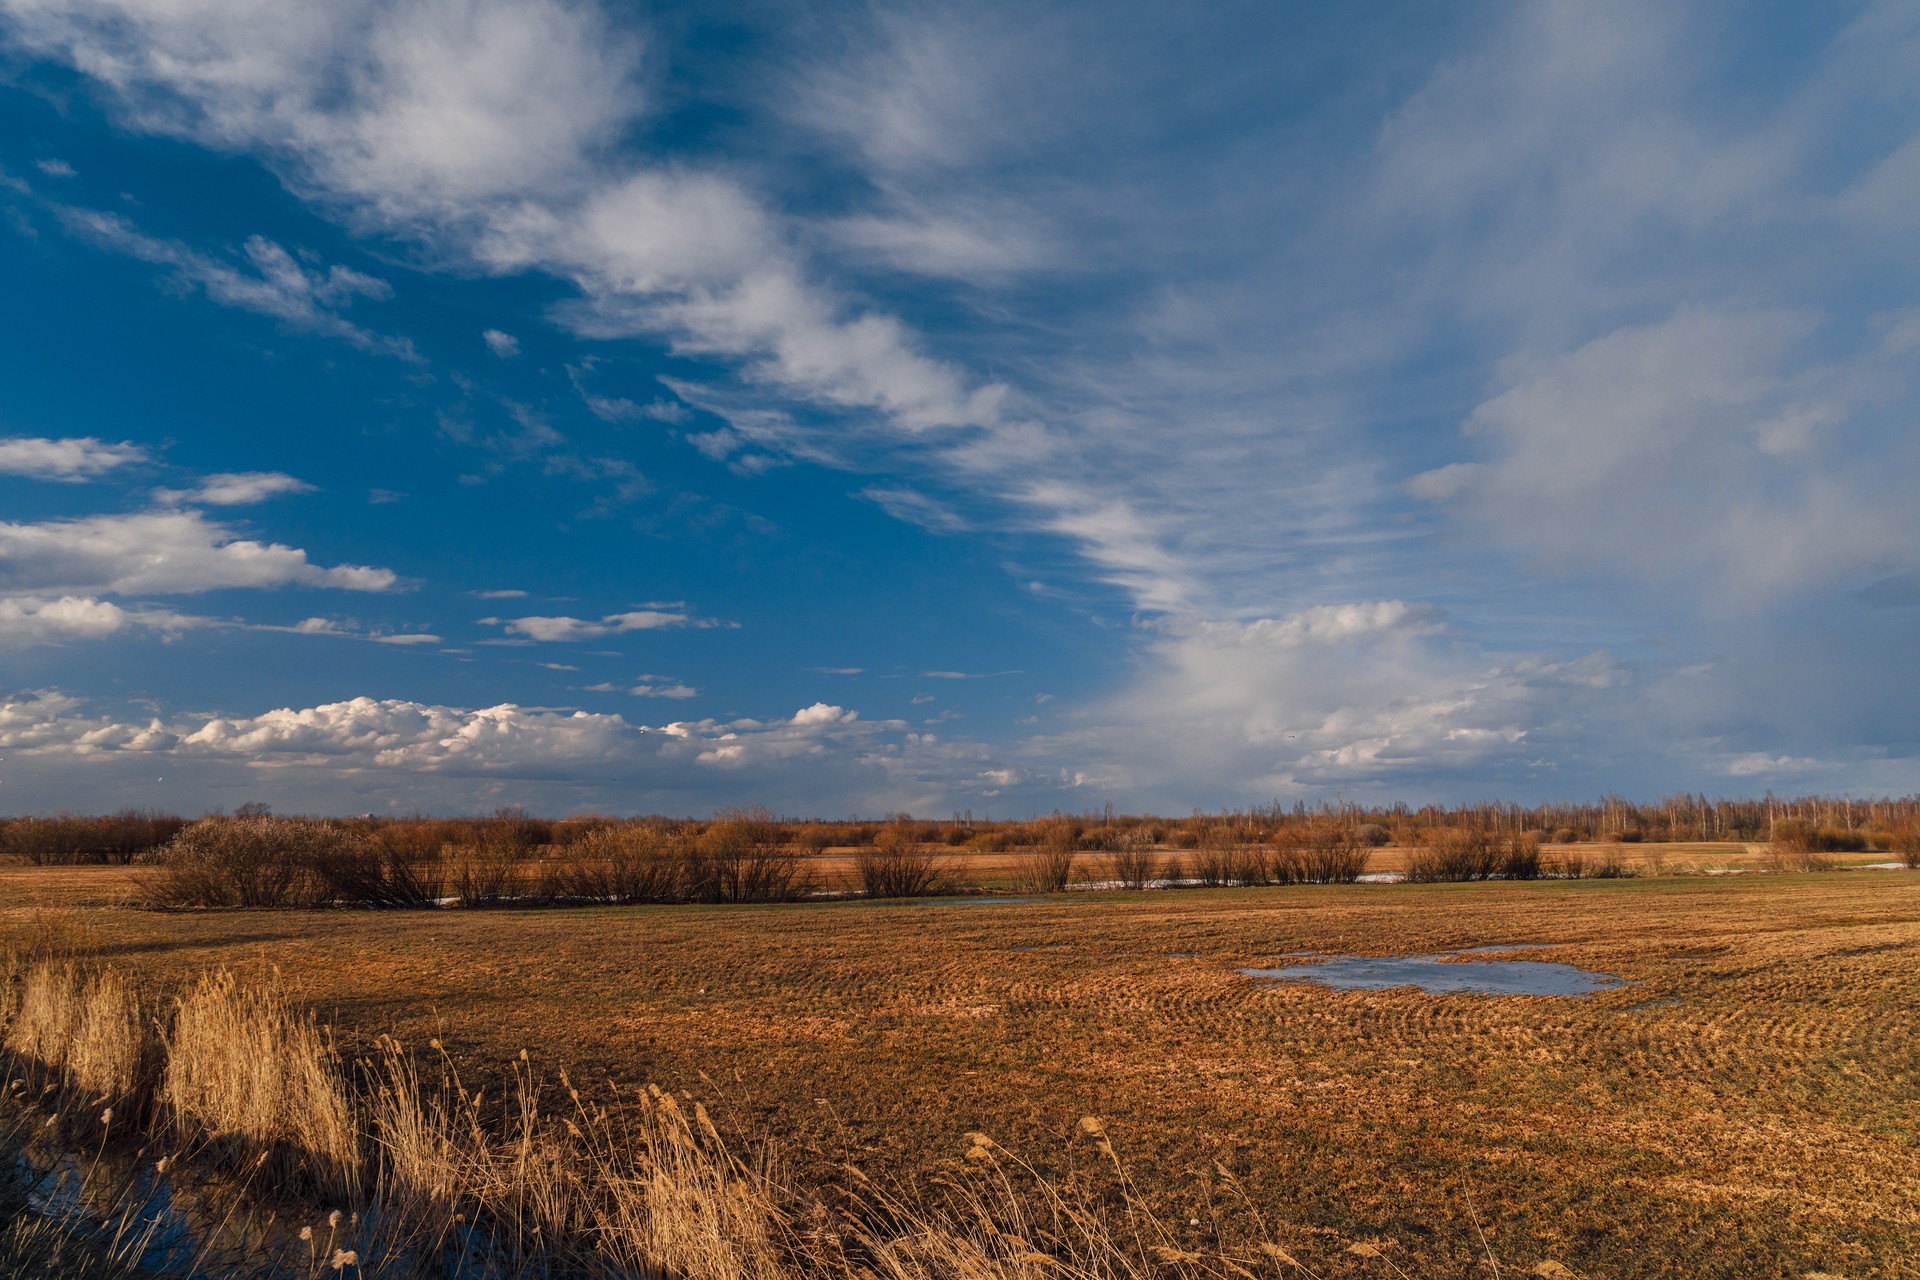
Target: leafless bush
point(1217, 859)
point(1134, 863)
point(1320, 851)
point(1570, 864)
point(1455, 854)
point(364, 871)
point(625, 863)
point(249, 862)
point(899, 865)
point(68, 839)
point(1799, 845)
point(1048, 868)
point(490, 873)
point(1611, 864)
point(1906, 842)
point(742, 856)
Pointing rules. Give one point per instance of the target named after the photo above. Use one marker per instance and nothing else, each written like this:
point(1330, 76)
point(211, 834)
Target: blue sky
point(858, 408)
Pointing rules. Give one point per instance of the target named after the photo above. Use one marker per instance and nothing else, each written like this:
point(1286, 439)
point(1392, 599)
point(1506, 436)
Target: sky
point(1003, 408)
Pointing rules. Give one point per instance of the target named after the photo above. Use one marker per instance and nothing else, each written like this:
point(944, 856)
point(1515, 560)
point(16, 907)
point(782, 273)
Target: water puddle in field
point(1447, 974)
point(974, 902)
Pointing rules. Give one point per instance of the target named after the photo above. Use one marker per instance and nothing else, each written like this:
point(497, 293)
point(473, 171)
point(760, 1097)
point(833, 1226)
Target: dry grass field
point(1749, 1105)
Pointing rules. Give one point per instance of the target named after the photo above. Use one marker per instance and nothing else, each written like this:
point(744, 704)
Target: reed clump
point(244, 1067)
point(86, 1027)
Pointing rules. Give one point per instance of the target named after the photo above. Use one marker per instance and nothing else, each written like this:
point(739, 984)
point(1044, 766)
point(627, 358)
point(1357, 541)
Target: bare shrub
point(899, 865)
point(68, 839)
point(248, 862)
point(1048, 868)
point(1570, 864)
point(363, 870)
point(1609, 863)
point(1134, 863)
point(1326, 850)
point(625, 864)
point(1906, 842)
point(1454, 854)
point(1216, 859)
point(1373, 835)
point(742, 856)
point(1799, 845)
point(490, 873)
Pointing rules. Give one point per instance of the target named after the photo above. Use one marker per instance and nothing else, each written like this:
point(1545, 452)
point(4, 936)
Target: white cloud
point(1758, 764)
point(562, 628)
point(236, 488)
point(912, 507)
point(649, 687)
point(271, 281)
point(56, 168)
point(160, 553)
point(35, 620)
point(444, 757)
point(1706, 451)
point(350, 631)
point(502, 344)
point(71, 459)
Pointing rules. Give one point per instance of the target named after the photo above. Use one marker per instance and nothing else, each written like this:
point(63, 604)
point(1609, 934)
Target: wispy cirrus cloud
point(235, 489)
point(265, 278)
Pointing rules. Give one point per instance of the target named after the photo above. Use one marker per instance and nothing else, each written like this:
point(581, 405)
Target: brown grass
point(1744, 1107)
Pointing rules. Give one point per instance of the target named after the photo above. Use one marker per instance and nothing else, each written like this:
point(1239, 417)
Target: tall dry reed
point(242, 1066)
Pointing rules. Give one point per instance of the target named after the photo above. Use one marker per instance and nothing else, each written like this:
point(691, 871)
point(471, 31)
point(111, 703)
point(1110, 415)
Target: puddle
point(974, 902)
point(1447, 974)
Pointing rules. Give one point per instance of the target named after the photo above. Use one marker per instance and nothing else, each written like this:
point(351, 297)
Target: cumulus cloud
point(69, 460)
point(35, 620)
point(236, 488)
point(449, 757)
point(165, 552)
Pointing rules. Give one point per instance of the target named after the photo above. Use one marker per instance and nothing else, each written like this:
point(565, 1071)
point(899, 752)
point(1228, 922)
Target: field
point(1746, 1106)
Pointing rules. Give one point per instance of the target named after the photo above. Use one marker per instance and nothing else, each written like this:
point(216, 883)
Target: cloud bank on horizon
point(1520, 402)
